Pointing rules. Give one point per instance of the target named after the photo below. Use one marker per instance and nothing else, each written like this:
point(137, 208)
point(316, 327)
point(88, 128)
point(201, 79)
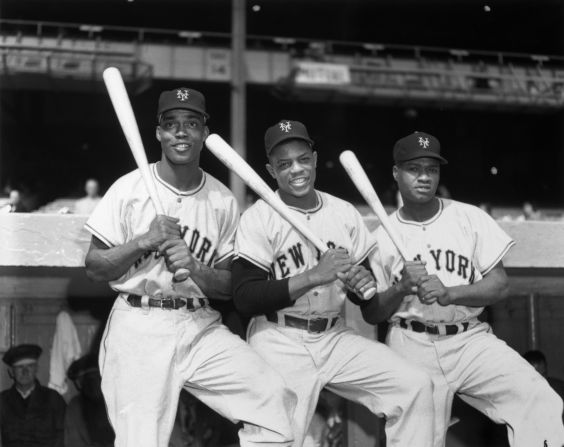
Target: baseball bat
point(360, 179)
point(227, 155)
point(124, 111)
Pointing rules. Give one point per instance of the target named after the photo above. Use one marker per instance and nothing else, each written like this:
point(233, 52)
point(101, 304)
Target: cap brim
point(286, 138)
point(201, 112)
point(424, 154)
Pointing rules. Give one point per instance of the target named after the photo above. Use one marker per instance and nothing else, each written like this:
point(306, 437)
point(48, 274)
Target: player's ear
point(395, 172)
point(158, 133)
point(315, 159)
point(270, 170)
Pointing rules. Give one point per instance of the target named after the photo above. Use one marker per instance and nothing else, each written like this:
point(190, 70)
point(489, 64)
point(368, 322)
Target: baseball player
point(297, 294)
point(433, 301)
point(162, 335)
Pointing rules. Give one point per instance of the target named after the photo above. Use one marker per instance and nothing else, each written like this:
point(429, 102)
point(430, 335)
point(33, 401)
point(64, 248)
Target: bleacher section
point(40, 53)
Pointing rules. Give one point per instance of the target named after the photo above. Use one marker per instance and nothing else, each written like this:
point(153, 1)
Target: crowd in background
point(34, 414)
point(22, 200)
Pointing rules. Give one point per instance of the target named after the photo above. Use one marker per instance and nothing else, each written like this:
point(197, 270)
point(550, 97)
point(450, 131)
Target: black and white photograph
point(292, 223)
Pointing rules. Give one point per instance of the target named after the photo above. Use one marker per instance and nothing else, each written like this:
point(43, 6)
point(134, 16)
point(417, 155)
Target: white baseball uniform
point(461, 244)
point(346, 363)
point(149, 354)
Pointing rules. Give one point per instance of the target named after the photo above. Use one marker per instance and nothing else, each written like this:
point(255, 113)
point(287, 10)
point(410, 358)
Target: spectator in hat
point(87, 204)
point(31, 415)
point(14, 204)
point(86, 420)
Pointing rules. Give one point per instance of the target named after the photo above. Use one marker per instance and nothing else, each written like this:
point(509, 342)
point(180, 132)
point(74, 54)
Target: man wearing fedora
point(31, 415)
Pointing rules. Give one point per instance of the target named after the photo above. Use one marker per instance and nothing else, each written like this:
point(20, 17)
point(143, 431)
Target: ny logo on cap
point(286, 127)
point(424, 142)
point(182, 94)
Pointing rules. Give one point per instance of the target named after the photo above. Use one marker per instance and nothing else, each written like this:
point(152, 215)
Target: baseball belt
point(435, 329)
point(167, 303)
point(313, 325)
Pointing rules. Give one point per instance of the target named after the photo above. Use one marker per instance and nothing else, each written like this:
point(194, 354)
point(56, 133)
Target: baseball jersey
point(208, 217)
point(271, 243)
point(460, 243)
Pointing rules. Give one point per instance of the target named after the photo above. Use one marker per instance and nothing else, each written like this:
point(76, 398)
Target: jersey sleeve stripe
point(225, 256)
point(510, 244)
point(367, 251)
point(254, 261)
point(99, 235)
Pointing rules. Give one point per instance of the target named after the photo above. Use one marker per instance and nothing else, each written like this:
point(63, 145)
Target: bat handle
point(181, 275)
point(369, 293)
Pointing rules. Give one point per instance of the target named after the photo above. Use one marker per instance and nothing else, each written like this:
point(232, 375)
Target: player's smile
point(182, 147)
point(292, 164)
point(181, 133)
point(299, 181)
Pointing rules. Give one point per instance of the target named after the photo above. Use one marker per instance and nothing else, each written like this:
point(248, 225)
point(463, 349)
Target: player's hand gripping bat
point(124, 111)
point(235, 162)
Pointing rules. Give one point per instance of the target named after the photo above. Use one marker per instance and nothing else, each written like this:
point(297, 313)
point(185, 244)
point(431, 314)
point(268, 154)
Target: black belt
point(314, 325)
point(168, 303)
point(417, 326)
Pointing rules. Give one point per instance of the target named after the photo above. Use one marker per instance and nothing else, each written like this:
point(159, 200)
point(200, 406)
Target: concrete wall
point(41, 272)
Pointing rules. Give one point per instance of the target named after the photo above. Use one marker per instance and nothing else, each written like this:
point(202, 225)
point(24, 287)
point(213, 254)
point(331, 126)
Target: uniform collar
point(315, 209)
point(426, 222)
point(176, 190)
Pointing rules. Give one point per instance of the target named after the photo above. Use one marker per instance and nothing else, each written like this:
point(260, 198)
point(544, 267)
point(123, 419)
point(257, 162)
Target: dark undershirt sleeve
point(352, 296)
point(254, 293)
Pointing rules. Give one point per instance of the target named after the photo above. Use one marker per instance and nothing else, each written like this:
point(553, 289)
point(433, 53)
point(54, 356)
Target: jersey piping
point(175, 190)
point(254, 262)
point(427, 222)
point(499, 258)
point(99, 236)
point(313, 210)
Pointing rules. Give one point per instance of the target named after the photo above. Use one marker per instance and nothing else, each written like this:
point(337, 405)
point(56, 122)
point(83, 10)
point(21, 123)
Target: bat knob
point(181, 275)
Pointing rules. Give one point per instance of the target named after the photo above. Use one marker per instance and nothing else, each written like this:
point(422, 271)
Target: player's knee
point(550, 399)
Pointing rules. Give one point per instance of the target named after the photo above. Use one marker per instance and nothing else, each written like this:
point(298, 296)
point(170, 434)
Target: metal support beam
point(238, 93)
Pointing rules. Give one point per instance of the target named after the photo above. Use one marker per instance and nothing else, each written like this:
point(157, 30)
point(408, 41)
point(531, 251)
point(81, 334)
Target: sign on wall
point(312, 73)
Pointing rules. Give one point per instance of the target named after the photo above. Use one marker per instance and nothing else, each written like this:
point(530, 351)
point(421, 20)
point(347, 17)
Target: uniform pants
point(353, 367)
point(490, 376)
point(148, 355)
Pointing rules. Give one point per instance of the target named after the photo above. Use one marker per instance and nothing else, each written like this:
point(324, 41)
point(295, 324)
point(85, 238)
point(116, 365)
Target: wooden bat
point(360, 179)
point(239, 166)
point(124, 111)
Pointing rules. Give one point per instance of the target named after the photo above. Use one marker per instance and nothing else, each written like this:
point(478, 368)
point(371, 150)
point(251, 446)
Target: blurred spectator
point(87, 204)
point(538, 361)
point(442, 191)
point(31, 415)
point(65, 349)
point(196, 425)
point(326, 428)
point(86, 421)
point(530, 212)
point(486, 207)
point(14, 204)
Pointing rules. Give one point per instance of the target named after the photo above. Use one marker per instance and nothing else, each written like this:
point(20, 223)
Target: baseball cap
point(418, 145)
point(285, 130)
point(182, 98)
point(21, 352)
